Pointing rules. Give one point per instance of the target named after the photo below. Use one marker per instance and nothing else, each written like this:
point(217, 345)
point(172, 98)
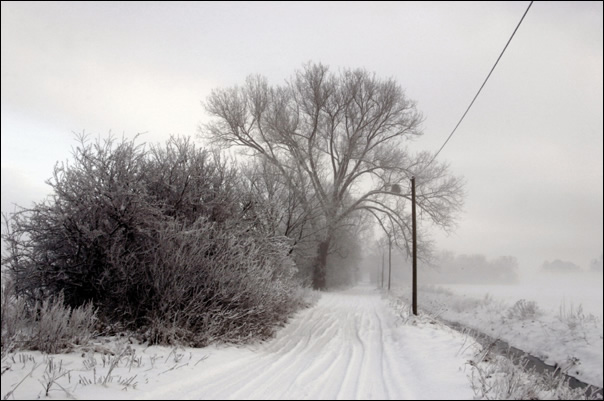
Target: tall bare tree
point(345, 134)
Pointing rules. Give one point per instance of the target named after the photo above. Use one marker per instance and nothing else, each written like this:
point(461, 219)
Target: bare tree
point(345, 134)
point(272, 205)
point(273, 208)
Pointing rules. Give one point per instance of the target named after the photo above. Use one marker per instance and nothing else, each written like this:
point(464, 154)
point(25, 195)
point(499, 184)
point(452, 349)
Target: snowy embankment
point(350, 345)
point(566, 336)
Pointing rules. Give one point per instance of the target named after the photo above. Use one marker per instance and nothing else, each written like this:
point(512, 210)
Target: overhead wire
point(479, 90)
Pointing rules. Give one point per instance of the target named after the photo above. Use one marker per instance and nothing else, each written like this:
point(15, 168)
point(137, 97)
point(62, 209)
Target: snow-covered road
point(350, 345)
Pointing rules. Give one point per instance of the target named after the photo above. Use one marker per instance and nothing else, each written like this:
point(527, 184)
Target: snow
point(562, 332)
point(350, 345)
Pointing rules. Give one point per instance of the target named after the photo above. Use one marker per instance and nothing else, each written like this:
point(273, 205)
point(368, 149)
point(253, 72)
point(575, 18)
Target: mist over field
point(553, 285)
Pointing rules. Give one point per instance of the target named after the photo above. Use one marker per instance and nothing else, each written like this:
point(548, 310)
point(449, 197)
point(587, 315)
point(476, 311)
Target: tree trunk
point(319, 273)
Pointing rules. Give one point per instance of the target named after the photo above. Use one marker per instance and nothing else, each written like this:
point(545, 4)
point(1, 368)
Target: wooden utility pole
point(382, 284)
point(377, 276)
point(413, 225)
point(389, 260)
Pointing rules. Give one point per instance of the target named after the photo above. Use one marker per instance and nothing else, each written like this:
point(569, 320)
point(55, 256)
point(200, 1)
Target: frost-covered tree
point(346, 135)
point(274, 208)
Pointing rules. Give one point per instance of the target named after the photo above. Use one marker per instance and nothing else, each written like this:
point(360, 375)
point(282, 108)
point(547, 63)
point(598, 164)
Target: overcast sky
point(530, 148)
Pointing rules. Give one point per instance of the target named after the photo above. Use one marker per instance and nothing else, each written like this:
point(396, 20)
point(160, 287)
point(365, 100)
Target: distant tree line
point(446, 267)
point(563, 266)
point(473, 269)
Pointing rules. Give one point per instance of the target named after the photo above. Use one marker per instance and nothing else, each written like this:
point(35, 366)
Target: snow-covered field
point(350, 345)
point(559, 321)
point(550, 292)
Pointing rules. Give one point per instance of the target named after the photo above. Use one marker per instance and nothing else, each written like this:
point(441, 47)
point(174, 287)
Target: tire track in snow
point(279, 374)
point(348, 381)
point(362, 373)
point(271, 357)
point(380, 342)
point(394, 377)
point(248, 368)
point(331, 361)
point(371, 381)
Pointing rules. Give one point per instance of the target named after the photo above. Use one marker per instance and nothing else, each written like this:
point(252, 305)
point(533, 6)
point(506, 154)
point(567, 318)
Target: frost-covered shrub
point(154, 238)
point(233, 287)
point(84, 239)
point(54, 326)
point(14, 315)
point(49, 326)
point(524, 310)
point(575, 318)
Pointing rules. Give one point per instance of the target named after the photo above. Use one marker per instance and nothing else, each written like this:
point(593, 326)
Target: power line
point(482, 86)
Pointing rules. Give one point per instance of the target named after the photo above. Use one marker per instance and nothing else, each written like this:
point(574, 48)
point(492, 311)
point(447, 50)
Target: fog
point(554, 285)
point(447, 267)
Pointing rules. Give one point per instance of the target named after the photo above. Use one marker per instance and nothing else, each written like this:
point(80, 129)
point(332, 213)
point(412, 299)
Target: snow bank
point(570, 338)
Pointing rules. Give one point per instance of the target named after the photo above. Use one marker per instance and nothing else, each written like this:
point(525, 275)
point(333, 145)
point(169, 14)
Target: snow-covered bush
point(215, 282)
point(524, 310)
point(14, 315)
point(154, 238)
point(49, 326)
point(575, 317)
point(55, 326)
